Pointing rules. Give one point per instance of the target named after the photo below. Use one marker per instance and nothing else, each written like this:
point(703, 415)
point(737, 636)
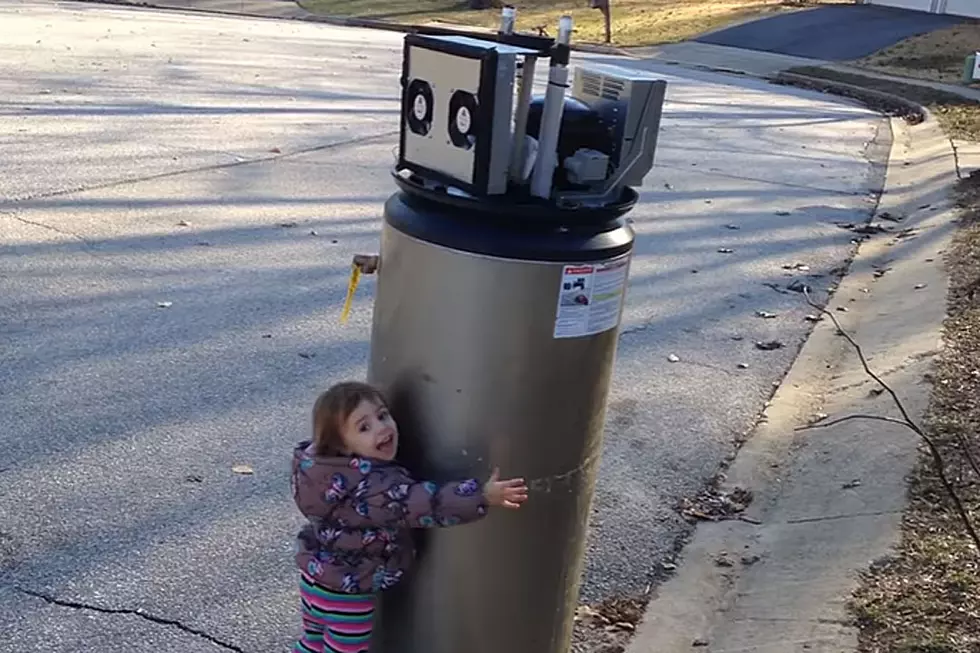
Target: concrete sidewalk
point(829, 501)
point(719, 58)
point(962, 91)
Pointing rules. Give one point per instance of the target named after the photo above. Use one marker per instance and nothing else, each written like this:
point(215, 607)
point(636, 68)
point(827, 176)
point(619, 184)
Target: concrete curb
point(362, 23)
point(893, 104)
point(827, 502)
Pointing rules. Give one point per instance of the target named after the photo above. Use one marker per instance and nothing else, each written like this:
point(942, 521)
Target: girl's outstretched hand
point(510, 493)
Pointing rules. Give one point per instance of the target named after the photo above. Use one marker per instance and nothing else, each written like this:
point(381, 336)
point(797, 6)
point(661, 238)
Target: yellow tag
point(355, 276)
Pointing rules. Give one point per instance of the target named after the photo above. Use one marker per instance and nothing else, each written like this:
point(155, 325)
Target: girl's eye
point(363, 428)
point(383, 415)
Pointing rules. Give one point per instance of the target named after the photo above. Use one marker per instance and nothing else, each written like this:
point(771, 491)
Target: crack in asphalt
point(715, 172)
point(854, 515)
point(88, 247)
point(41, 225)
point(76, 605)
point(14, 201)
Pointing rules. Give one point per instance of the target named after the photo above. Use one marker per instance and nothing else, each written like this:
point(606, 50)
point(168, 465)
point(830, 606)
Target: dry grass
point(634, 22)
point(926, 599)
point(938, 56)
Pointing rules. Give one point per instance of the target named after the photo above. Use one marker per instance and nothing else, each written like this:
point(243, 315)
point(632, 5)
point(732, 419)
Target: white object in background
point(586, 166)
point(507, 17)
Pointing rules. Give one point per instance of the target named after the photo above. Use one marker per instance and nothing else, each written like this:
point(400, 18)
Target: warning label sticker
point(590, 298)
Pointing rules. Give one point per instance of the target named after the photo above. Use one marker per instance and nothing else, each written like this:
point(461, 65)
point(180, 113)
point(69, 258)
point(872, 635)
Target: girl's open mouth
point(387, 444)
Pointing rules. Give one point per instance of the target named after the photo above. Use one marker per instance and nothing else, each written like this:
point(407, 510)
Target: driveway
point(831, 33)
point(180, 200)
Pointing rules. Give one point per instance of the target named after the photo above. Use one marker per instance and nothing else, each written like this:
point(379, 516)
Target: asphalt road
point(180, 199)
point(831, 33)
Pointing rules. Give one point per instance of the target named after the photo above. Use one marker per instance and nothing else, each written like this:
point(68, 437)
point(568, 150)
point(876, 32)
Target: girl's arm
point(427, 504)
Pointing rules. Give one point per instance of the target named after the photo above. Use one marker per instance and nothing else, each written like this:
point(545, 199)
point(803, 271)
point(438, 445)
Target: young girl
point(361, 507)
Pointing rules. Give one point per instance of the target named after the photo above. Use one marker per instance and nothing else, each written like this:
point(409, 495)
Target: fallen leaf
point(194, 478)
point(621, 625)
point(802, 267)
point(287, 225)
point(276, 150)
point(765, 315)
point(242, 469)
point(725, 250)
point(164, 304)
point(668, 187)
point(674, 358)
point(769, 345)
point(722, 560)
point(307, 356)
point(813, 318)
point(313, 232)
point(586, 612)
point(783, 213)
point(183, 223)
point(885, 215)
point(743, 366)
point(266, 335)
point(920, 286)
point(699, 642)
point(733, 227)
point(842, 309)
point(203, 243)
point(870, 229)
point(850, 485)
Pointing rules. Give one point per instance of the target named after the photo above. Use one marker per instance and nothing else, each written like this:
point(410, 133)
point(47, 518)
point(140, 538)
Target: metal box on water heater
point(457, 104)
point(631, 102)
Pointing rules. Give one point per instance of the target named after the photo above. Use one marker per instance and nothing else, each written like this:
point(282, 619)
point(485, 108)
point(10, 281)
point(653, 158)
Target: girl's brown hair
point(333, 408)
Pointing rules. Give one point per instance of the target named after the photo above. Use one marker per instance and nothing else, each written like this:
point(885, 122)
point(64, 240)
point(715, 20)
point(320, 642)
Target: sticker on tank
point(590, 298)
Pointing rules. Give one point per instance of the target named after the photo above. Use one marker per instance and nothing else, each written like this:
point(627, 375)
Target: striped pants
point(334, 622)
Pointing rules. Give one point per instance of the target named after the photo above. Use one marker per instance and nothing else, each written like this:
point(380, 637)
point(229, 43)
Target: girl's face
point(371, 432)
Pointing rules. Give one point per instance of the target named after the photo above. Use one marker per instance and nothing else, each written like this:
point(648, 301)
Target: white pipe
point(525, 84)
point(508, 16)
point(554, 107)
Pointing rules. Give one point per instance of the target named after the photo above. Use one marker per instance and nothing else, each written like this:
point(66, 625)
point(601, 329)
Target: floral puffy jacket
point(360, 513)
